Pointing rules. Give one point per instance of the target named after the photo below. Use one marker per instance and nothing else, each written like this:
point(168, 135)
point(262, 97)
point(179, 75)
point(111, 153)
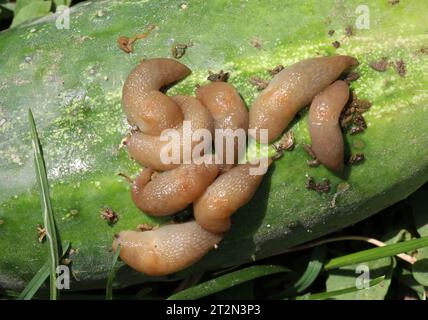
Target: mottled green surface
point(72, 80)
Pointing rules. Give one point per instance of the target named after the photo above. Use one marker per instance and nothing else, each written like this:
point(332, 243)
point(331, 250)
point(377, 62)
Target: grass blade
point(35, 283)
point(48, 218)
point(377, 253)
point(312, 271)
point(227, 281)
point(109, 287)
point(142, 294)
point(331, 294)
point(39, 278)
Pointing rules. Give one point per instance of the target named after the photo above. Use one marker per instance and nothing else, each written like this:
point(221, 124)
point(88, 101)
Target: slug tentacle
point(229, 112)
point(292, 89)
point(165, 250)
point(324, 127)
point(145, 106)
point(171, 191)
point(224, 196)
point(147, 149)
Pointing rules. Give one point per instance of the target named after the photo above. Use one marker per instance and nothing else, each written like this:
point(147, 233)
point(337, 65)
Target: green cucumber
point(72, 80)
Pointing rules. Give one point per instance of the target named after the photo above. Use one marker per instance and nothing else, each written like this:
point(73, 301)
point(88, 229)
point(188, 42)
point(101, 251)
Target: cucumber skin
point(72, 82)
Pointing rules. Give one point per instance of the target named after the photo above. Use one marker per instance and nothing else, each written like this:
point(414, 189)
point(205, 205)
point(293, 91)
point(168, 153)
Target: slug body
point(324, 127)
point(147, 149)
point(224, 196)
point(171, 191)
point(145, 106)
point(229, 112)
point(165, 250)
point(292, 89)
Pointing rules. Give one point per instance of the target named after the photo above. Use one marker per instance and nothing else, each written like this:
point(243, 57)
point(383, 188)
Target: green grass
point(377, 253)
point(48, 216)
point(227, 281)
point(336, 293)
point(39, 279)
point(110, 279)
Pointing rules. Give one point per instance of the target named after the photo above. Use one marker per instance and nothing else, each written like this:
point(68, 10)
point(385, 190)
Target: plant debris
point(314, 162)
point(322, 187)
point(351, 115)
point(285, 143)
point(41, 232)
point(356, 158)
point(336, 44)
point(259, 83)
point(66, 261)
point(358, 124)
point(256, 43)
point(218, 77)
point(125, 43)
point(178, 50)
point(110, 216)
point(400, 67)
point(276, 70)
point(349, 31)
point(423, 50)
point(380, 65)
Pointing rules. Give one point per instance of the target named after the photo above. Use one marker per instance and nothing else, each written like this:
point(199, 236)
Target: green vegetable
point(72, 80)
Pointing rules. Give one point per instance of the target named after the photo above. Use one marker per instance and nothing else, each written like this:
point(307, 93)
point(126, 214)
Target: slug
point(165, 250)
point(324, 127)
point(146, 149)
point(144, 105)
point(171, 191)
point(292, 89)
point(229, 112)
point(224, 196)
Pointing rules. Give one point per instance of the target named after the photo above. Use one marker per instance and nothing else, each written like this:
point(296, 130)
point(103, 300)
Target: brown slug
point(171, 191)
point(229, 112)
point(217, 191)
point(292, 89)
point(145, 106)
point(324, 127)
point(224, 196)
point(147, 149)
point(165, 250)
